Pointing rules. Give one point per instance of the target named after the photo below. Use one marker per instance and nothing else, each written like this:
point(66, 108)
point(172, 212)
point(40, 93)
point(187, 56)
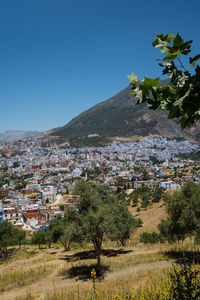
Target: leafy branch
point(181, 96)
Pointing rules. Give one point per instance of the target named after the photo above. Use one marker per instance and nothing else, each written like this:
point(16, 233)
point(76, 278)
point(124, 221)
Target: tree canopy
point(66, 229)
point(99, 213)
point(180, 96)
point(183, 211)
point(9, 236)
point(102, 214)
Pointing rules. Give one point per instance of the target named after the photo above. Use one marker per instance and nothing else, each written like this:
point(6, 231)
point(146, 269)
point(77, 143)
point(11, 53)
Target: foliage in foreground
point(181, 95)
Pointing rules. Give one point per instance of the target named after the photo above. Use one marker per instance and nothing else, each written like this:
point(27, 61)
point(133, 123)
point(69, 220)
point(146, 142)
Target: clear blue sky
point(60, 57)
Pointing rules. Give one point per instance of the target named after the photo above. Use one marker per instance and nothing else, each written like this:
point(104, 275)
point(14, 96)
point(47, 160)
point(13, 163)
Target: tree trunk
point(123, 242)
point(5, 251)
point(99, 259)
point(67, 246)
point(97, 246)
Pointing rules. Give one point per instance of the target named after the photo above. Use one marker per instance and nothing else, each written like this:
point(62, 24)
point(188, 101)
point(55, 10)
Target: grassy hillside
point(54, 274)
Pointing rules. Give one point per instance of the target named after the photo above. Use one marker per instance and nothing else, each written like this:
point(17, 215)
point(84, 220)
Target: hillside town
point(37, 178)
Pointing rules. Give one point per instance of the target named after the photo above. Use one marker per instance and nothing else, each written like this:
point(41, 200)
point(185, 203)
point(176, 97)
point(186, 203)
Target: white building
point(169, 185)
point(76, 172)
point(49, 192)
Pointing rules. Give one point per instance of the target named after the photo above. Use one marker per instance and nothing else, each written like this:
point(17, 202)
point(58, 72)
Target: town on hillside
point(37, 179)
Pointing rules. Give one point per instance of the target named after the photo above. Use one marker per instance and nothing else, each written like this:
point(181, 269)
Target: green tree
point(66, 229)
point(120, 183)
point(93, 209)
point(48, 237)
point(19, 236)
point(38, 238)
point(121, 223)
point(157, 194)
point(180, 96)
point(183, 210)
point(146, 197)
point(150, 238)
point(143, 193)
point(134, 196)
point(145, 175)
point(9, 236)
point(6, 237)
point(62, 207)
point(16, 164)
point(98, 208)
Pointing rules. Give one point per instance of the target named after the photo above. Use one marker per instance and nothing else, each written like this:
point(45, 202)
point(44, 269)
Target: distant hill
point(120, 116)
point(12, 135)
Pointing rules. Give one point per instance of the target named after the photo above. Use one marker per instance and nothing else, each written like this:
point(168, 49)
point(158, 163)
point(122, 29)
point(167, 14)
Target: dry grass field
point(53, 274)
point(44, 271)
point(150, 216)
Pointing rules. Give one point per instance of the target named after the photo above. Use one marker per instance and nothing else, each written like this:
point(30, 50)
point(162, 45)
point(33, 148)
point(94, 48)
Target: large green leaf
point(177, 42)
point(150, 83)
point(172, 55)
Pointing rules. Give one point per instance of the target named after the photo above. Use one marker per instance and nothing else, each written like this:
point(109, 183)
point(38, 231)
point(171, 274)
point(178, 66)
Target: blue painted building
point(1, 213)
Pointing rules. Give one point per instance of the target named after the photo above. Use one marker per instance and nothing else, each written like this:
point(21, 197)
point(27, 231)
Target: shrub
point(185, 282)
point(138, 222)
point(150, 238)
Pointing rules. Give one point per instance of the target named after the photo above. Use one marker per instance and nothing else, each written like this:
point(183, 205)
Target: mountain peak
point(120, 116)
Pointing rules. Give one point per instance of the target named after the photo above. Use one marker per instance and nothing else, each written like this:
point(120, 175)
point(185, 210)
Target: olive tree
point(66, 229)
point(183, 213)
point(102, 214)
point(6, 237)
point(9, 236)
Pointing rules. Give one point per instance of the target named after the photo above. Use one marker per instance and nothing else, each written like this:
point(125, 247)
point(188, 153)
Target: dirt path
point(140, 268)
point(48, 284)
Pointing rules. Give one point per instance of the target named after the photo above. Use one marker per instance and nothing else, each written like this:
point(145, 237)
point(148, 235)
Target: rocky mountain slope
point(120, 116)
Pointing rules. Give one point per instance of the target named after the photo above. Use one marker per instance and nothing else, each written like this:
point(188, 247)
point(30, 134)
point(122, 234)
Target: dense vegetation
point(183, 211)
point(192, 155)
point(9, 236)
point(145, 196)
